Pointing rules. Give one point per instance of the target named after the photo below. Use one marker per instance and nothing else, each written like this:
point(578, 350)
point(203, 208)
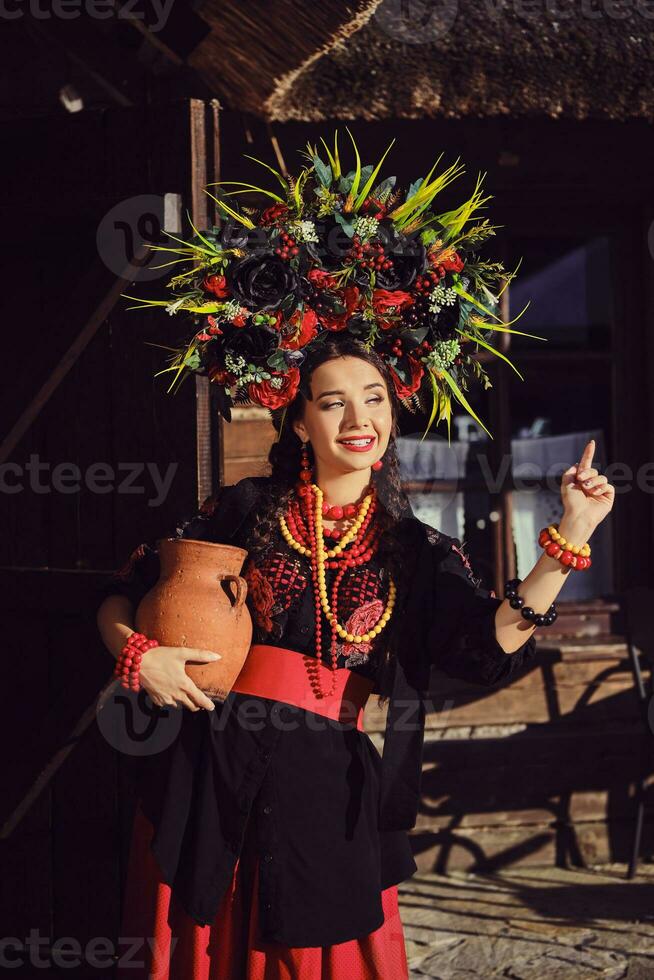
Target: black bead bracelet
point(517, 602)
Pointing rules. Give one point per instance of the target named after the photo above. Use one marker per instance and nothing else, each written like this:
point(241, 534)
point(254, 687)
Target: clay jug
point(199, 601)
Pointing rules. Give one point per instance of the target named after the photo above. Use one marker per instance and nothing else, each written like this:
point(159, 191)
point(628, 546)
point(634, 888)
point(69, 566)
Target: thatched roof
point(448, 58)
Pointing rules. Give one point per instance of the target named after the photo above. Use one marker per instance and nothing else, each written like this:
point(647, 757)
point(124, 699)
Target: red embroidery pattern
point(273, 586)
point(466, 561)
point(361, 620)
point(359, 587)
point(260, 596)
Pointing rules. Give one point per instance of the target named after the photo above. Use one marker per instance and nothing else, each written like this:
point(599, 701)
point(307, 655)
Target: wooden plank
point(248, 438)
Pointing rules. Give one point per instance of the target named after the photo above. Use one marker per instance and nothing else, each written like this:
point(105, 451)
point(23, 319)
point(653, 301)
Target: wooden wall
point(85, 402)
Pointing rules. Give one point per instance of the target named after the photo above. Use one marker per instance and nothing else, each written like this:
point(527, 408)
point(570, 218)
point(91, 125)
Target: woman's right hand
point(163, 676)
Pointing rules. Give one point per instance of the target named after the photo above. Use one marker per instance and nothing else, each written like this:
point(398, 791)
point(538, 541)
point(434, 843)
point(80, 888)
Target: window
point(495, 503)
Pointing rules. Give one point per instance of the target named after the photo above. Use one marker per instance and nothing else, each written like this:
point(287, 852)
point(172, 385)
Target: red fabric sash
point(283, 675)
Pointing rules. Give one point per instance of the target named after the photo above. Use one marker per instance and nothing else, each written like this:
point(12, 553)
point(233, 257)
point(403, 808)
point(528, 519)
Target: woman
point(269, 859)
point(270, 836)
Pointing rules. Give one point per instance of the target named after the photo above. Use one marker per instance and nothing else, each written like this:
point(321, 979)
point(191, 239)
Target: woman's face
point(350, 399)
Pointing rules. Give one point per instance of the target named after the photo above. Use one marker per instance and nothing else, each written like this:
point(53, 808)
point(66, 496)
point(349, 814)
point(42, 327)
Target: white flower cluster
point(441, 296)
point(304, 231)
point(366, 228)
point(245, 372)
point(231, 309)
point(234, 364)
point(443, 355)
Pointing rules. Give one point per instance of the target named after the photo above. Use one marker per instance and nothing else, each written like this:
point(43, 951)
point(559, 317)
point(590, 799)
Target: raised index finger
point(587, 455)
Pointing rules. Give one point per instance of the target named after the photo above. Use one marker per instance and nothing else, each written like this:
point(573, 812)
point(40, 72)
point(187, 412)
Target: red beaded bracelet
point(555, 545)
point(128, 664)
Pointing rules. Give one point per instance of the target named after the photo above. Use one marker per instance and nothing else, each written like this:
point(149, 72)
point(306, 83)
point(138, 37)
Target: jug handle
point(241, 588)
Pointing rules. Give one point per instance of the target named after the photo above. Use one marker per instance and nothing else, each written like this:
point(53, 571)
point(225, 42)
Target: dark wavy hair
point(284, 459)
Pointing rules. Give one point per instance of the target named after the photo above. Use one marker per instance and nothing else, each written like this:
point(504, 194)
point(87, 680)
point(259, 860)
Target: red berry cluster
point(289, 246)
point(370, 255)
point(426, 282)
point(419, 351)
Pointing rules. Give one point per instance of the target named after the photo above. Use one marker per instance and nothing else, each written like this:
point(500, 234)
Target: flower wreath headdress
point(335, 251)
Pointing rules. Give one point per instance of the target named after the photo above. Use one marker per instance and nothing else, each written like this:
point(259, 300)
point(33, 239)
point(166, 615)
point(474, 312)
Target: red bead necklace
point(299, 526)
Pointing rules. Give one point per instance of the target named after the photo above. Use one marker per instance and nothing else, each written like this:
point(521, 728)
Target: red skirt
point(159, 941)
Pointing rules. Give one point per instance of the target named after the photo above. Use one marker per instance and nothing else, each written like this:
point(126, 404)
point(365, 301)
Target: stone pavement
point(528, 923)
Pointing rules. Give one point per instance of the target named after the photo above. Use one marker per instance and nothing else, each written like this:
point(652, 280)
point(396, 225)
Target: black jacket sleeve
point(461, 637)
point(140, 572)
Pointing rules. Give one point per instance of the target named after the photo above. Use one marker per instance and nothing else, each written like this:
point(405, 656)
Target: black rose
point(255, 344)
point(261, 282)
point(409, 259)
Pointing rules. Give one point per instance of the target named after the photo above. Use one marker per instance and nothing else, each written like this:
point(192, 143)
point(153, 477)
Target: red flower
point(404, 390)
point(446, 260)
point(238, 321)
point(301, 332)
point(362, 619)
point(221, 375)
point(452, 264)
point(338, 321)
point(273, 213)
point(322, 279)
point(264, 394)
point(261, 596)
point(217, 285)
point(385, 300)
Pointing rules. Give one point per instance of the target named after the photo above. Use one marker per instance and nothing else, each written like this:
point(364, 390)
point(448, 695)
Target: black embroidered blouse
point(303, 791)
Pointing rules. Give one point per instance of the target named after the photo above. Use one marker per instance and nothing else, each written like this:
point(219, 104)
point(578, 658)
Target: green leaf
point(277, 361)
point(461, 397)
point(478, 340)
point(247, 189)
point(334, 158)
point(230, 211)
point(383, 186)
point(428, 236)
point(445, 408)
point(370, 180)
point(357, 172)
point(347, 226)
point(323, 170)
point(272, 170)
point(414, 187)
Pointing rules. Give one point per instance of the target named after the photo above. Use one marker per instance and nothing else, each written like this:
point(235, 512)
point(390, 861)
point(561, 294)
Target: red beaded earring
point(306, 474)
point(377, 466)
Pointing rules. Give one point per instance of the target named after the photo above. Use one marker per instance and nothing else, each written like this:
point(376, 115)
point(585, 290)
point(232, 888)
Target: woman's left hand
point(587, 497)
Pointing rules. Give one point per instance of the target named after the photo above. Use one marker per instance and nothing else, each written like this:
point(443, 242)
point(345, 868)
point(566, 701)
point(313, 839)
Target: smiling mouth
point(360, 443)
